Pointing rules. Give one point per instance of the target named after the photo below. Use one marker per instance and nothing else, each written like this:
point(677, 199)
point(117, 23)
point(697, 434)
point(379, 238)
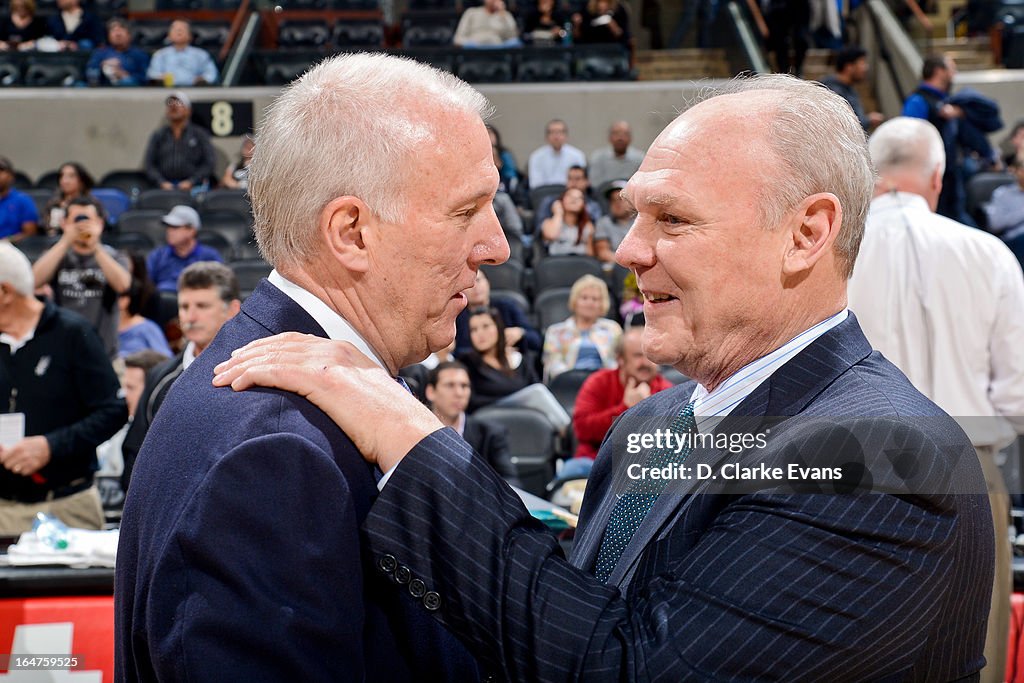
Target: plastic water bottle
point(567, 36)
point(50, 531)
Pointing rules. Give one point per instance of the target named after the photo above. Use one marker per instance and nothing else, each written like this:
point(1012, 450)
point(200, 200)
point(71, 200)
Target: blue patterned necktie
point(632, 507)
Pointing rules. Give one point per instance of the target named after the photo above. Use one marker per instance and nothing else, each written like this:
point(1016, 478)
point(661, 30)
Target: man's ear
point(812, 232)
point(429, 393)
point(343, 223)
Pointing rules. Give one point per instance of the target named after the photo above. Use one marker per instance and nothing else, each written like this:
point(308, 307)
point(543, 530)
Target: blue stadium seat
point(486, 66)
point(114, 201)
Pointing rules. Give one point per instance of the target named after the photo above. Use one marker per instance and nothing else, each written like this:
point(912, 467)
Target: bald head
point(908, 156)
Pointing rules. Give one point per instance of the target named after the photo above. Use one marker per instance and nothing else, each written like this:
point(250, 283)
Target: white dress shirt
point(945, 303)
point(334, 325)
point(548, 167)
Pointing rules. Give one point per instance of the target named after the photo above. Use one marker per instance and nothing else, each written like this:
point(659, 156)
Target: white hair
point(820, 147)
point(905, 144)
point(351, 125)
point(16, 269)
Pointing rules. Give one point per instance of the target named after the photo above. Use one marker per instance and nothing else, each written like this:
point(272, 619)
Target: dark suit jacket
point(767, 583)
point(239, 555)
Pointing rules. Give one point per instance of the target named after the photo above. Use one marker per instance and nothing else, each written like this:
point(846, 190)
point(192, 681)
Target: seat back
point(545, 64)
point(602, 63)
point(145, 221)
point(551, 306)
point(114, 201)
point(303, 33)
point(131, 182)
point(508, 275)
point(358, 34)
point(566, 386)
point(531, 444)
point(563, 271)
point(485, 66)
point(163, 200)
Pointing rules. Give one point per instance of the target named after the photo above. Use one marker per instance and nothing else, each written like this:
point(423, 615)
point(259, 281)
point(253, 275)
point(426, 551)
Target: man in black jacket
point(63, 401)
point(207, 298)
point(448, 392)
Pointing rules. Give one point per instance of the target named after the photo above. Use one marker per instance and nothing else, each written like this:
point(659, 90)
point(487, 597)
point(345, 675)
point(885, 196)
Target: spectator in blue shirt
point(117, 63)
point(182, 249)
point(18, 215)
point(180, 63)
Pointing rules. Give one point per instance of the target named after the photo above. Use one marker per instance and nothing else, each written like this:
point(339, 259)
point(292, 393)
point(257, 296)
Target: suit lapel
point(609, 478)
point(787, 392)
point(277, 312)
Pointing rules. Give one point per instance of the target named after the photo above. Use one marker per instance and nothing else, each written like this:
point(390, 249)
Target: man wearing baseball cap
point(182, 249)
point(179, 155)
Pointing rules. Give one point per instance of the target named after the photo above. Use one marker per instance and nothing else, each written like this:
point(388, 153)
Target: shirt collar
point(334, 325)
point(188, 355)
point(731, 392)
point(899, 200)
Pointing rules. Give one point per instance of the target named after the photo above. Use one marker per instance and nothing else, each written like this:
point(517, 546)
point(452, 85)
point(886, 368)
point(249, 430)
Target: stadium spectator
point(788, 28)
point(166, 263)
point(500, 375)
point(21, 26)
point(180, 63)
point(545, 24)
point(489, 25)
point(496, 368)
point(576, 178)
point(74, 181)
point(56, 375)
point(1005, 210)
point(1013, 145)
point(518, 330)
point(117, 62)
point(236, 175)
point(505, 209)
point(207, 298)
point(602, 21)
point(134, 332)
point(611, 229)
point(508, 170)
point(18, 215)
point(74, 28)
point(179, 156)
point(550, 164)
point(852, 70)
point(584, 340)
point(136, 365)
point(945, 303)
point(448, 391)
point(962, 121)
point(86, 276)
point(569, 230)
point(608, 393)
point(619, 160)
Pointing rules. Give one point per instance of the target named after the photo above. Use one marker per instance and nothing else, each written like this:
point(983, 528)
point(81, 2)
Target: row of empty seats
point(582, 62)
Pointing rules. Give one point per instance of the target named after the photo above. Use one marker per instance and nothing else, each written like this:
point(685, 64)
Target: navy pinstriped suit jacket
point(769, 584)
point(240, 558)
